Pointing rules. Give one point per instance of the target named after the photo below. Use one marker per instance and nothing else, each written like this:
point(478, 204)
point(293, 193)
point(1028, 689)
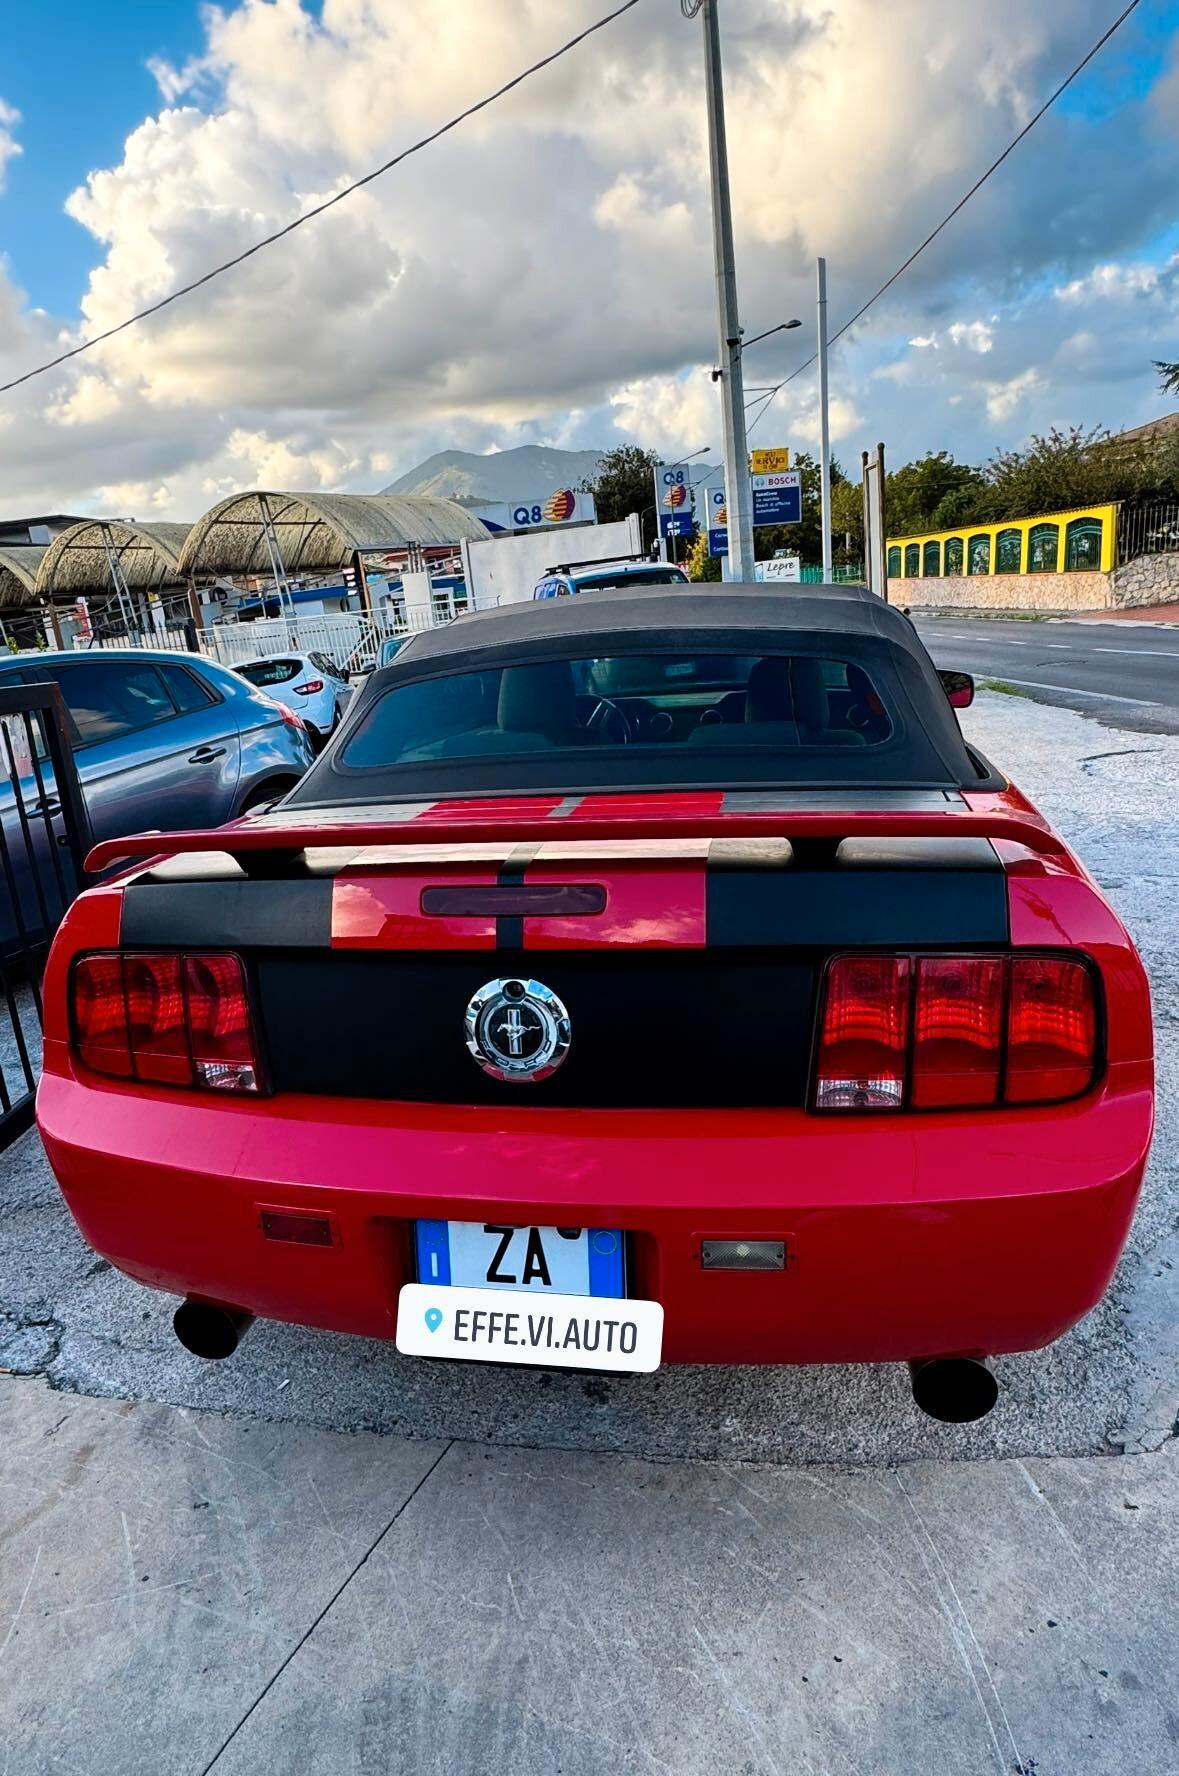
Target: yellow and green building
point(1079, 541)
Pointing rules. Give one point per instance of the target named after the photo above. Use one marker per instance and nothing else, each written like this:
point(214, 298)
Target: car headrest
point(536, 699)
point(810, 693)
point(767, 697)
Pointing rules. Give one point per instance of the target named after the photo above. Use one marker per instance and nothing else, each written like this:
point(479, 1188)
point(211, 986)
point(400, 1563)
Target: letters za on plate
point(491, 1255)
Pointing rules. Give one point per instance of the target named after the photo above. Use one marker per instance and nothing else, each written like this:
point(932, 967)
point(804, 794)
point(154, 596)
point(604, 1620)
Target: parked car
point(566, 582)
point(685, 989)
point(160, 740)
point(310, 684)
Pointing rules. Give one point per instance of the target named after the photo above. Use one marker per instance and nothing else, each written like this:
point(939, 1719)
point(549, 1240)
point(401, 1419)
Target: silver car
point(161, 741)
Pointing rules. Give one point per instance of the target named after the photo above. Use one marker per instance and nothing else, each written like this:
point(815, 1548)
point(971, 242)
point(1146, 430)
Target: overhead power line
point(309, 215)
point(959, 206)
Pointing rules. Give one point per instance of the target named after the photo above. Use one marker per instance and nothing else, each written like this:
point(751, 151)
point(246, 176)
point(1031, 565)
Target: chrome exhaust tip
point(209, 1329)
point(954, 1390)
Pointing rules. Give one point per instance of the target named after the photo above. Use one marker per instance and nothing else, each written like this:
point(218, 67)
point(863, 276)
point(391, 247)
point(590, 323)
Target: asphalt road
point(1125, 676)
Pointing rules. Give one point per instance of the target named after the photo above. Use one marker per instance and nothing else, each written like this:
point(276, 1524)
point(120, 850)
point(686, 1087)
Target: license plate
point(543, 1260)
point(555, 1331)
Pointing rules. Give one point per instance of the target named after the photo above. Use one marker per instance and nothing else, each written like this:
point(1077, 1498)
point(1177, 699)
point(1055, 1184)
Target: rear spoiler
point(247, 838)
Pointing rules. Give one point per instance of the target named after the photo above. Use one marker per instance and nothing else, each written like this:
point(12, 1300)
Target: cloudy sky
point(544, 274)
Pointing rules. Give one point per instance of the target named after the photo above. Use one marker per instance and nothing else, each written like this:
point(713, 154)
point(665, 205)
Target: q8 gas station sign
point(673, 500)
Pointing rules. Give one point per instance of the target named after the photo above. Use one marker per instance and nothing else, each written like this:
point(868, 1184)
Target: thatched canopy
point(18, 573)
point(317, 531)
point(77, 563)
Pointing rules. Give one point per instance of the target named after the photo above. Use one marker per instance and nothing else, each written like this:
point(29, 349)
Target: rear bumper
point(938, 1234)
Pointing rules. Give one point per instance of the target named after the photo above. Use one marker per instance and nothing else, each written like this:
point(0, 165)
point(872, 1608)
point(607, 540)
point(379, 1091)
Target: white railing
point(349, 638)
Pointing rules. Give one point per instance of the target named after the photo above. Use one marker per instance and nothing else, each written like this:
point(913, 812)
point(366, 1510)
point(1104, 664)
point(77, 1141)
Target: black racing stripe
point(868, 900)
point(509, 928)
point(228, 914)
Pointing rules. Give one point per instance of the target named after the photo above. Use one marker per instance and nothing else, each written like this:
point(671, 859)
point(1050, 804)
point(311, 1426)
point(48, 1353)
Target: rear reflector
point(165, 1019)
point(296, 1229)
point(955, 1032)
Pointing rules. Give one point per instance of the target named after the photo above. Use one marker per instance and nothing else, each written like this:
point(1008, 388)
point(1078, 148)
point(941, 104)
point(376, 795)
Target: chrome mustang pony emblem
point(517, 1030)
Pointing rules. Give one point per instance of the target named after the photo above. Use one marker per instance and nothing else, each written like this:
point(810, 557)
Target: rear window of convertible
point(694, 705)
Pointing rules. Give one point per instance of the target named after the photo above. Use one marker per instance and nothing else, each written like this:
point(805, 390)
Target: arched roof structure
point(77, 563)
point(317, 531)
point(18, 574)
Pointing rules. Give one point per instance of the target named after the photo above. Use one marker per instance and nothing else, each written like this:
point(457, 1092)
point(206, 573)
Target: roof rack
point(619, 560)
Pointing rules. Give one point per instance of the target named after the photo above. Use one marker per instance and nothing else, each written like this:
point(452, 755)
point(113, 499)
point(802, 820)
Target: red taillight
point(955, 1032)
point(219, 1023)
point(311, 689)
point(292, 720)
point(165, 1019)
point(100, 1015)
point(865, 1034)
point(1051, 1030)
point(156, 1030)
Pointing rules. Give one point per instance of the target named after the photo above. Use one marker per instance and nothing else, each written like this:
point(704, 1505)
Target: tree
point(699, 563)
point(623, 485)
point(922, 494)
point(847, 518)
point(1168, 376)
point(1062, 469)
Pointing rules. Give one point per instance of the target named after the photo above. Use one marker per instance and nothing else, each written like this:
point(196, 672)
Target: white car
point(307, 683)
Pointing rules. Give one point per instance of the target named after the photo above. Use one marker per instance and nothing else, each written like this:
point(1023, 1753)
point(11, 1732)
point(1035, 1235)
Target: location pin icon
point(433, 1318)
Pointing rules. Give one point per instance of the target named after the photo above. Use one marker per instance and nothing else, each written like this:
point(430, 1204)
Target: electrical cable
point(318, 210)
point(960, 205)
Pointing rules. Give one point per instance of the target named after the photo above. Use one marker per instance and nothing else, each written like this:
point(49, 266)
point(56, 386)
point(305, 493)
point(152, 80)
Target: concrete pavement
point(241, 1590)
point(188, 1593)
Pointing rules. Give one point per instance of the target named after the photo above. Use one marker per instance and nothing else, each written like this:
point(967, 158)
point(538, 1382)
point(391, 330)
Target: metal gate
point(44, 837)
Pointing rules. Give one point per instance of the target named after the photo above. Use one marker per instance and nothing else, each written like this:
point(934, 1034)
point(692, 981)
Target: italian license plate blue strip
point(606, 1268)
point(433, 1252)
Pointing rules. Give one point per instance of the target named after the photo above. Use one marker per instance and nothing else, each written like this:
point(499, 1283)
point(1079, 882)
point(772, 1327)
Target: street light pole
point(824, 423)
point(738, 496)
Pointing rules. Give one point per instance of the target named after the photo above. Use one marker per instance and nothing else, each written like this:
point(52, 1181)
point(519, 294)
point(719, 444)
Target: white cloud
point(544, 273)
point(1004, 399)
point(9, 146)
point(974, 336)
point(1113, 280)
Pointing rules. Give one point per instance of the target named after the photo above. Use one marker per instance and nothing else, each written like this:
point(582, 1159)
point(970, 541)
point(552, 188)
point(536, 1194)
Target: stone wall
point(1148, 579)
point(1048, 592)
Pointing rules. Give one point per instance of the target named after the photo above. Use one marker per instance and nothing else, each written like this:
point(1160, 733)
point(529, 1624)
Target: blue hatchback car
point(161, 741)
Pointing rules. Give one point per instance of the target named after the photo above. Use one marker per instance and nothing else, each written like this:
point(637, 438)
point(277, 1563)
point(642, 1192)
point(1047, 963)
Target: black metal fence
point(1151, 529)
point(44, 837)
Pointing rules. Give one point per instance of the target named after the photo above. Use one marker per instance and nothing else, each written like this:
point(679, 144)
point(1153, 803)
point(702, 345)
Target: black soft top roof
point(659, 616)
point(848, 623)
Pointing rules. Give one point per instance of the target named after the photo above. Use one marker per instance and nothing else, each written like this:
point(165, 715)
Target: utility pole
point(824, 423)
point(738, 496)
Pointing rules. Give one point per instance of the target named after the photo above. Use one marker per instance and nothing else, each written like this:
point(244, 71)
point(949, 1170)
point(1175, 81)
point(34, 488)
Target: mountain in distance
point(531, 471)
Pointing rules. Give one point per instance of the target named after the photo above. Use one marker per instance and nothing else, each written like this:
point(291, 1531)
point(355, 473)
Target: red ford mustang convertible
point(649, 977)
